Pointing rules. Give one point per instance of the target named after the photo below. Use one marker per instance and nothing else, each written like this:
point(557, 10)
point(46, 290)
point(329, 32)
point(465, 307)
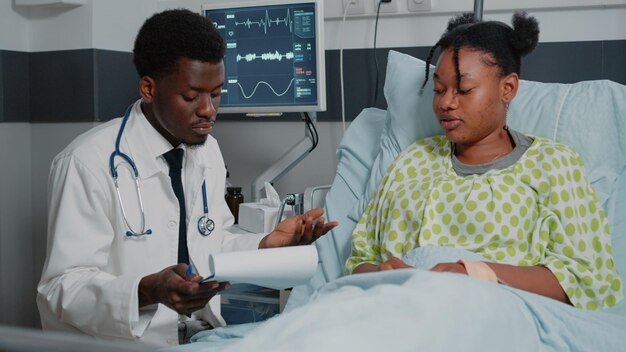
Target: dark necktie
point(175, 160)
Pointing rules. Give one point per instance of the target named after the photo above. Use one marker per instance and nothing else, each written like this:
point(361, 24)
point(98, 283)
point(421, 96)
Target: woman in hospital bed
point(516, 209)
point(522, 203)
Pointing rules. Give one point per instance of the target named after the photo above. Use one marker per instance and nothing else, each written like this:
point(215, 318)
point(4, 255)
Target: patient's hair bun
point(462, 19)
point(506, 44)
point(525, 35)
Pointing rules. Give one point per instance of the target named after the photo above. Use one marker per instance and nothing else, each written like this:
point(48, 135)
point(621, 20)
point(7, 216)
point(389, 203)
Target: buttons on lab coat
point(172, 224)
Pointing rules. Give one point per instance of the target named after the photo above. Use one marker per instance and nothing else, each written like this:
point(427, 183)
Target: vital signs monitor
point(274, 59)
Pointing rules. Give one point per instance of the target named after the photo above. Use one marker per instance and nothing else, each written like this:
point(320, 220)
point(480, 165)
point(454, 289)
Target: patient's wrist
point(480, 270)
point(365, 268)
point(145, 291)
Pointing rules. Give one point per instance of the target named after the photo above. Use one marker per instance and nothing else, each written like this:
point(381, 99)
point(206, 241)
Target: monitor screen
point(274, 55)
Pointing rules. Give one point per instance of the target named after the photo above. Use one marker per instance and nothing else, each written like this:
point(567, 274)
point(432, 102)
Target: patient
point(521, 202)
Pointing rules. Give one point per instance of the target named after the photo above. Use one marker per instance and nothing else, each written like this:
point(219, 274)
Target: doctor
point(117, 262)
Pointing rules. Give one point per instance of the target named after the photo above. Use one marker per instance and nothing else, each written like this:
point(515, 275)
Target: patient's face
point(475, 111)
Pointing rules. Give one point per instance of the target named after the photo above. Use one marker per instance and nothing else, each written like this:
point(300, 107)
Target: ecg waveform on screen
point(266, 56)
point(267, 22)
point(267, 84)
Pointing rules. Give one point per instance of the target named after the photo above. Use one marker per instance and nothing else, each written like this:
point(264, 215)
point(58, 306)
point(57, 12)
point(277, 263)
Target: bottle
point(228, 184)
point(233, 199)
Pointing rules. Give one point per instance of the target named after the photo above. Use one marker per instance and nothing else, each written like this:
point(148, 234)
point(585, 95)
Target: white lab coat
point(90, 279)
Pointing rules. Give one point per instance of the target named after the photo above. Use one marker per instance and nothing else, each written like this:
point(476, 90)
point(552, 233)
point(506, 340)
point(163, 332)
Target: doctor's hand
point(171, 288)
point(298, 230)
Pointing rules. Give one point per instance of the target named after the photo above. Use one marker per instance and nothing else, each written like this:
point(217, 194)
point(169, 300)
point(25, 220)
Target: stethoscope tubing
point(113, 169)
point(205, 224)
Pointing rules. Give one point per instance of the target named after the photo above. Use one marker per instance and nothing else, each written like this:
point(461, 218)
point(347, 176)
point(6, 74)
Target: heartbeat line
point(266, 56)
point(267, 84)
point(267, 22)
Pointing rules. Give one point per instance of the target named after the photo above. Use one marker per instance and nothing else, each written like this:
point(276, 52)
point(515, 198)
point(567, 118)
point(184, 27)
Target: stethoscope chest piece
point(205, 225)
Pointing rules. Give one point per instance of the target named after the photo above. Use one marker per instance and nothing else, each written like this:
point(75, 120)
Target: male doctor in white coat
point(102, 276)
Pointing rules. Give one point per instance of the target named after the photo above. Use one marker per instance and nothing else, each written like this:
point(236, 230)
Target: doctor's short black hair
point(173, 34)
point(505, 45)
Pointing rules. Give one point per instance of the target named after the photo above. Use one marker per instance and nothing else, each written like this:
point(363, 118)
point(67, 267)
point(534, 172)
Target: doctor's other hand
point(170, 287)
point(298, 230)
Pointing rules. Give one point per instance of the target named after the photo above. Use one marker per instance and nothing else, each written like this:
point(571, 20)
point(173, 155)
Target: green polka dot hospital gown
point(540, 210)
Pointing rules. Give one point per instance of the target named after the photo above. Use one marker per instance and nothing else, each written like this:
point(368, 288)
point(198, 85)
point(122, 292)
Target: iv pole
point(478, 9)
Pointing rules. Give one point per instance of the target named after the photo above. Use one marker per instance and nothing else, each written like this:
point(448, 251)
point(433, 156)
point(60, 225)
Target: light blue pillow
point(590, 117)
point(356, 154)
point(587, 116)
point(409, 117)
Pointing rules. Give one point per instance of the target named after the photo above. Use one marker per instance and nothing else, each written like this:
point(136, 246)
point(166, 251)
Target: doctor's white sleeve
point(75, 291)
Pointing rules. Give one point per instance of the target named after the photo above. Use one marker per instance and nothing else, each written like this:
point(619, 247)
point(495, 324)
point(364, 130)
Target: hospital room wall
point(28, 37)
point(99, 34)
point(16, 264)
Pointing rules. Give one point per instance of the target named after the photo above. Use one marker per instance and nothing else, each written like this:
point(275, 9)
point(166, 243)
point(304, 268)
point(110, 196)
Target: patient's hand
point(392, 264)
point(450, 267)
point(298, 230)
point(389, 264)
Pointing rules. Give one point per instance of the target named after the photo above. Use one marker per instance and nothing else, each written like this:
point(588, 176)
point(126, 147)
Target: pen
point(207, 279)
point(188, 275)
point(189, 272)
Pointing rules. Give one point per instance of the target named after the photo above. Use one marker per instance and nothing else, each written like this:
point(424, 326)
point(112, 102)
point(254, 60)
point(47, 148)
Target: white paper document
point(276, 268)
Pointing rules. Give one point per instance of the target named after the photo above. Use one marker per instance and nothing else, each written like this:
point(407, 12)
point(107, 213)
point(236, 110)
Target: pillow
point(536, 107)
point(617, 219)
point(355, 154)
point(565, 112)
point(409, 117)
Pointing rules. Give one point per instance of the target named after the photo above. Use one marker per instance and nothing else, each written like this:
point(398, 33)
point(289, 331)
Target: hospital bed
point(420, 310)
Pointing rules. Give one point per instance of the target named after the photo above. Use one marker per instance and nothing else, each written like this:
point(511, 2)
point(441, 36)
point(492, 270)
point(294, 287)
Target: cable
point(343, 101)
point(312, 130)
point(380, 2)
point(317, 137)
point(314, 134)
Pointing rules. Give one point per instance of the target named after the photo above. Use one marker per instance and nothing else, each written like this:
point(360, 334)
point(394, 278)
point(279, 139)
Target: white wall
point(59, 28)
point(334, 9)
point(250, 147)
point(116, 22)
point(578, 20)
point(13, 27)
point(102, 24)
point(27, 149)
point(572, 20)
point(46, 141)
point(16, 266)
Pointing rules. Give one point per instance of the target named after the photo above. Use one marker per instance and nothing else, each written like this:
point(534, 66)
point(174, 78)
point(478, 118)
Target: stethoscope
point(205, 224)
